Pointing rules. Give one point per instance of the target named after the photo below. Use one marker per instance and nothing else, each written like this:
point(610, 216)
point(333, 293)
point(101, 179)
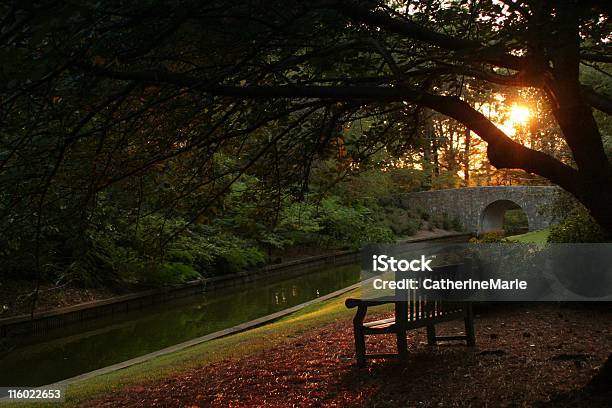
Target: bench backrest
point(420, 304)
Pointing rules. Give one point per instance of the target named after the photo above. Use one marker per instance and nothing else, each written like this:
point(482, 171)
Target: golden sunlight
point(519, 115)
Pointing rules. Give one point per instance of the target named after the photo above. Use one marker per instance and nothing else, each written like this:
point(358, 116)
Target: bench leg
point(401, 316)
point(360, 347)
point(431, 335)
point(470, 334)
point(402, 345)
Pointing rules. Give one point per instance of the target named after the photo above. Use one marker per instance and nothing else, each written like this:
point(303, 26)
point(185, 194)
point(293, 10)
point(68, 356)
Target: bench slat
point(378, 322)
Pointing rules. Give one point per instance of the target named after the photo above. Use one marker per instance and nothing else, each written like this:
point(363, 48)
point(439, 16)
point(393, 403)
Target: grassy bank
point(233, 346)
point(536, 237)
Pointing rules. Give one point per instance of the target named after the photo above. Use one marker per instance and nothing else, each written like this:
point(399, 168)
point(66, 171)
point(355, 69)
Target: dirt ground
point(526, 355)
point(16, 297)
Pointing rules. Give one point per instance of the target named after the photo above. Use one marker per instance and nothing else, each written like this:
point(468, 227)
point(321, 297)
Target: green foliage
point(103, 262)
point(455, 225)
point(563, 204)
point(425, 216)
point(237, 259)
point(275, 240)
point(403, 222)
point(360, 209)
point(446, 179)
point(146, 231)
point(578, 226)
point(350, 225)
point(169, 274)
point(445, 221)
point(515, 221)
point(120, 249)
point(134, 255)
point(367, 187)
point(300, 217)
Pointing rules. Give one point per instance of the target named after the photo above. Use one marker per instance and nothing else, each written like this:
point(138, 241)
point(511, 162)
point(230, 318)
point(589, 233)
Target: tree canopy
point(99, 93)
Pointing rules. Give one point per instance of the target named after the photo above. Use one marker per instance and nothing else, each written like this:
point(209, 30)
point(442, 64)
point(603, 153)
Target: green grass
point(203, 354)
point(536, 237)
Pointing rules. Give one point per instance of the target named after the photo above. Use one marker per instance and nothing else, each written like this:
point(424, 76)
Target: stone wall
point(481, 209)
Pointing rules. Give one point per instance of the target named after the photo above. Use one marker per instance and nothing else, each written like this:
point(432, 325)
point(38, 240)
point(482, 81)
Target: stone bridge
point(481, 209)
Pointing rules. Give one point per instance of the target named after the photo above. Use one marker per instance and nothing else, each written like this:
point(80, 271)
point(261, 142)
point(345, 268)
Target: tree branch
point(589, 56)
point(502, 150)
point(494, 55)
point(596, 100)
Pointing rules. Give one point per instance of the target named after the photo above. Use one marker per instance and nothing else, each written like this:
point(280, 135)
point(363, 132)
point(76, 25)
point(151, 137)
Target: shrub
point(378, 234)
point(578, 226)
point(447, 222)
point(237, 259)
point(300, 217)
point(423, 214)
point(403, 222)
point(435, 221)
point(102, 261)
point(169, 274)
point(406, 226)
point(351, 226)
point(456, 225)
point(119, 255)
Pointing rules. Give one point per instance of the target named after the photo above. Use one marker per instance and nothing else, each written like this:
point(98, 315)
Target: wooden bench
point(412, 312)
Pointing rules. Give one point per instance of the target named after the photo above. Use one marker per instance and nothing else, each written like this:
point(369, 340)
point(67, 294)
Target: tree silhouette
point(201, 68)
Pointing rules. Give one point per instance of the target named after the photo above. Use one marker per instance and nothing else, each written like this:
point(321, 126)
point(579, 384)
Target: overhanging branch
point(494, 55)
point(596, 100)
point(502, 150)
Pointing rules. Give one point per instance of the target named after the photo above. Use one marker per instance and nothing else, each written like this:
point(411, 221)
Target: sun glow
point(519, 115)
point(516, 117)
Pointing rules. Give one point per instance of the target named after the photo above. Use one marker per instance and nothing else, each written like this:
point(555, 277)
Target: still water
point(73, 350)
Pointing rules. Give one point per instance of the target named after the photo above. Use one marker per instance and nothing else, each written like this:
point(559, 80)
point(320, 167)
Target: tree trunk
point(597, 198)
point(434, 151)
point(429, 153)
point(466, 158)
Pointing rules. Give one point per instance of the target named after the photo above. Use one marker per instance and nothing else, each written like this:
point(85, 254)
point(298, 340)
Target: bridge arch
point(493, 215)
point(479, 209)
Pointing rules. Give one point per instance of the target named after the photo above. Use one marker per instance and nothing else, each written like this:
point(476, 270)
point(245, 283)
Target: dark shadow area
point(597, 393)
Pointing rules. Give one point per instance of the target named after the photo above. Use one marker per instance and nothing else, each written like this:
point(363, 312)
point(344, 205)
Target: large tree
point(172, 76)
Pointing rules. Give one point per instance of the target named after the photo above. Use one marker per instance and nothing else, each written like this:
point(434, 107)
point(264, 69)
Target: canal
point(72, 350)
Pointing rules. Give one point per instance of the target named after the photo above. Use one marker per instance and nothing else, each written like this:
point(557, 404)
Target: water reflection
point(66, 352)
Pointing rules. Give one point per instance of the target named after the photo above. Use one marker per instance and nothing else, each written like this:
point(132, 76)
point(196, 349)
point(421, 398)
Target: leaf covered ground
point(527, 355)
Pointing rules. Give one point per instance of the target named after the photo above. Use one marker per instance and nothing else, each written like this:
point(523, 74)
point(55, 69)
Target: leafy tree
point(165, 77)
point(112, 102)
